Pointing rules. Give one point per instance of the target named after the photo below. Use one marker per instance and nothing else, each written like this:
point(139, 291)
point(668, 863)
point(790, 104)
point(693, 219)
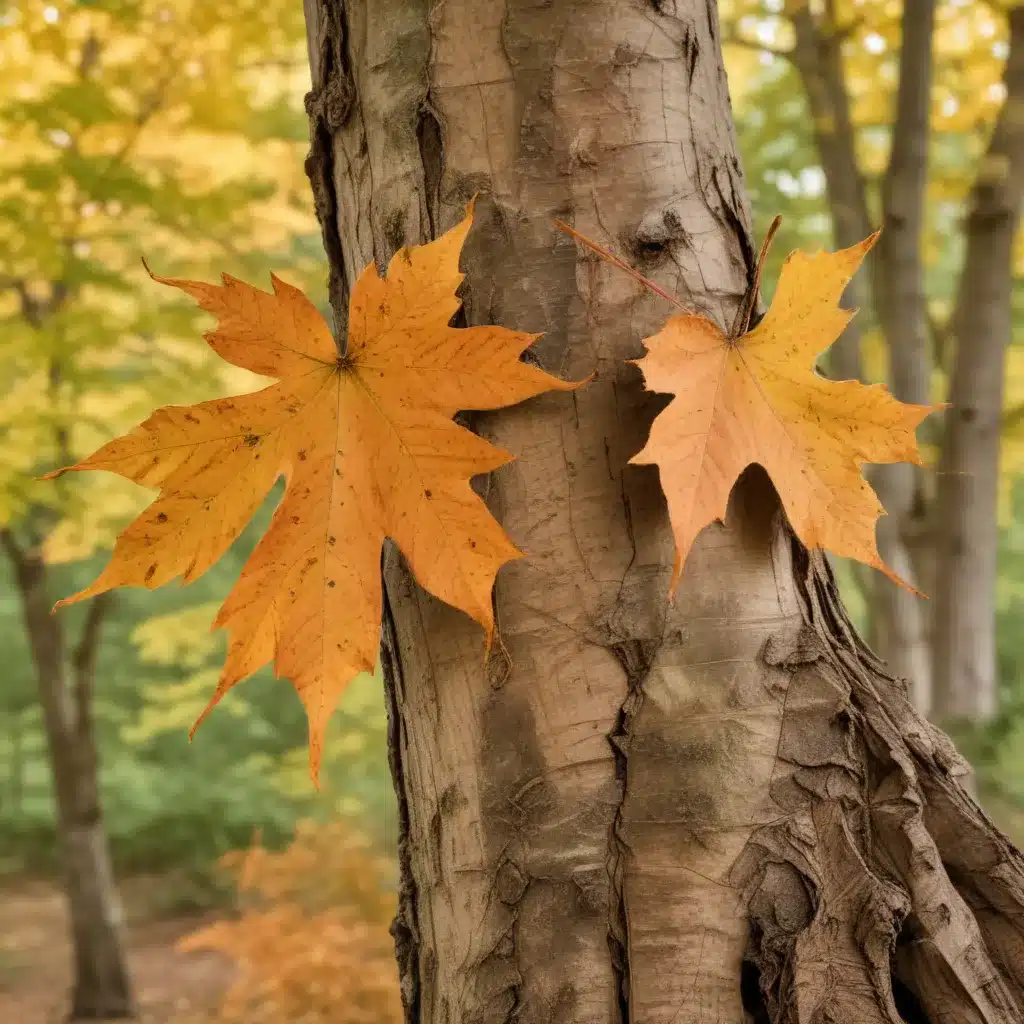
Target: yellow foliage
point(312, 944)
point(158, 124)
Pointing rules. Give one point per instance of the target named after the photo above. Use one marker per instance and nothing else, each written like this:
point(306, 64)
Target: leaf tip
point(71, 599)
point(315, 758)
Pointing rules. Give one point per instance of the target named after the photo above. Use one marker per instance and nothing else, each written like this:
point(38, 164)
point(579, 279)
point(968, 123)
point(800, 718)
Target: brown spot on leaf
point(251, 440)
point(161, 517)
point(150, 572)
point(330, 583)
point(302, 455)
point(295, 520)
point(331, 540)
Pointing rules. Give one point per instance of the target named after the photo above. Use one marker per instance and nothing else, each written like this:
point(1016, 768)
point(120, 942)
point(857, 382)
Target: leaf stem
point(755, 286)
point(621, 264)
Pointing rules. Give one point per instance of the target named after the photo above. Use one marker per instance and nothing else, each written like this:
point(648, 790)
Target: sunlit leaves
point(130, 128)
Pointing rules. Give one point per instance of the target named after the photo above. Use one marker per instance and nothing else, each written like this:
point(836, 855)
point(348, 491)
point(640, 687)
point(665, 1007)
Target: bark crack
point(329, 106)
point(636, 657)
point(405, 927)
point(430, 138)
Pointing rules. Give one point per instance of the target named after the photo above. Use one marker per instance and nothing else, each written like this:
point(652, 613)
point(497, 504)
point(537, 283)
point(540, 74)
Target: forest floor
point(171, 987)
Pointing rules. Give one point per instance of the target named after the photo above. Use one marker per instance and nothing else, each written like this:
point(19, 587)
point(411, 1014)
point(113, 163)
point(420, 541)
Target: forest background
point(175, 130)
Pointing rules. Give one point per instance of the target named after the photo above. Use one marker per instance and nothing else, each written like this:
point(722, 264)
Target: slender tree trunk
point(818, 59)
point(965, 592)
point(102, 988)
point(899, 619)
point(903, 313)
point(630, 799)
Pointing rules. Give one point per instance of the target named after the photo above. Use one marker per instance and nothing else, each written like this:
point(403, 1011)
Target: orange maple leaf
point(368, 448)
point(757, 398)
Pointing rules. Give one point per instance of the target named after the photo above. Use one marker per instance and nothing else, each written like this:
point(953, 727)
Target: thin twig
point(755, 285)
point(605, 254)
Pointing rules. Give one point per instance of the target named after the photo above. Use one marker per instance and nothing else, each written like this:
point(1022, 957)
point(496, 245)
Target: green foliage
point(170, 803)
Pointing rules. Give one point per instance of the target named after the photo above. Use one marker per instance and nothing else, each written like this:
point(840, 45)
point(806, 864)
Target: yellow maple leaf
point(757, 398)
point(369, 450)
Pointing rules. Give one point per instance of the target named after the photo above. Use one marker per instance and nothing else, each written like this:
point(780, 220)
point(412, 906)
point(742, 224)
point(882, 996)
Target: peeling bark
point(102, 986)
point(964, 615)
point(628, 800)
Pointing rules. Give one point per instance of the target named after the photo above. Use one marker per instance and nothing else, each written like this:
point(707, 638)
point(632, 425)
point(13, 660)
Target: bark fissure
point(430, 136)
point(329, 105)
point(636, 657)
point(404, 928)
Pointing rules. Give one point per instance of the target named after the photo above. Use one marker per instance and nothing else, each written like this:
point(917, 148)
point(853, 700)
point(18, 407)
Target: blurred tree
point(980, 332)
point(125, 126)
point(866, 71)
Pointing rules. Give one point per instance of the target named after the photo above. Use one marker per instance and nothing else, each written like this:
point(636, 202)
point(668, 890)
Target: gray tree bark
point(102, 986)
point(965, 594)
point(721, 809)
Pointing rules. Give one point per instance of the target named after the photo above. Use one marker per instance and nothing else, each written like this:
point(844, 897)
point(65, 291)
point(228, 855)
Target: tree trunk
point(899, 619)
point(818, 59)
point(903, 313)
point(965, 594)
point(630, 799)
point(102, 988)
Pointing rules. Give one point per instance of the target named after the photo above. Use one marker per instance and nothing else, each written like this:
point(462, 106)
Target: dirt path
point(35, 972)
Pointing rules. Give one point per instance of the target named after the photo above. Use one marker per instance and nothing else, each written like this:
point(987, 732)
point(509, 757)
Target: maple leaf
point(368, 448)
point(756, 398)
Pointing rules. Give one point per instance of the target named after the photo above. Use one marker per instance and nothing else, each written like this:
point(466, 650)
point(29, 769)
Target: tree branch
point(83, 658)
point(10, 545)
point(731, 37)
